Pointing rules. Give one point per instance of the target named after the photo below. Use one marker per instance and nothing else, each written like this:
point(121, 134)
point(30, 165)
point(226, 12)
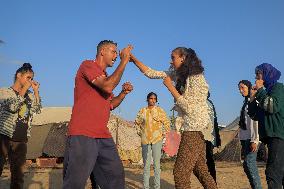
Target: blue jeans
point(275, 163)
point(149, 150)
point(249, 165)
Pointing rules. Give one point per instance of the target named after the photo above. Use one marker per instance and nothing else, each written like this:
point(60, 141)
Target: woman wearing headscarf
point(270, 95)
point(249, 138)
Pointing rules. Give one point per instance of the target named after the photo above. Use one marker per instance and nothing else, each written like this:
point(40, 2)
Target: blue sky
point(230, 37)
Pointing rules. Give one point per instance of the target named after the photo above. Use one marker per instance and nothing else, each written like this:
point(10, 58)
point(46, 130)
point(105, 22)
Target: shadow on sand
point(135, 180)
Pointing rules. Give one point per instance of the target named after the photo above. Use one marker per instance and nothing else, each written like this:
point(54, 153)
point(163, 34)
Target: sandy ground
point(229, 176)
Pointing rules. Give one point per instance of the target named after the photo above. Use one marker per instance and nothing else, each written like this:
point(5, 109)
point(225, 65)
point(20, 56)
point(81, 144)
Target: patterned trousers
point(191, 157)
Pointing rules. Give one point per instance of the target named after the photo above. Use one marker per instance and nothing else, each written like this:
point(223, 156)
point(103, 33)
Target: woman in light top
point(248, 135)
point(190, 94)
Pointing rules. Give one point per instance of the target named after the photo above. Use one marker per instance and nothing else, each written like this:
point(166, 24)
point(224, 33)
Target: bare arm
point(126, 88)
point(142, 67)
point(35, 86)
point(107, 84)
point(147, 71)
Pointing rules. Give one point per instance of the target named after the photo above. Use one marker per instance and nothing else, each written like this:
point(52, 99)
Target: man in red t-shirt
point(90, 147)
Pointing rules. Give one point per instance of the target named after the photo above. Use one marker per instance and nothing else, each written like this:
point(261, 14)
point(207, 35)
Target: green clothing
point(273, 105)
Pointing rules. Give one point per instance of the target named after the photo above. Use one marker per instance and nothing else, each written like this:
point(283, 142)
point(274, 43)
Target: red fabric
point(91, 110)
point(172, 143)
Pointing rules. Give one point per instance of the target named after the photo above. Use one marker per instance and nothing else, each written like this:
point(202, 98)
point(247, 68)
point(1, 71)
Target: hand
point(35, 86)
point(253, 147)
point(132, 58)
point(125, 53)
point(253, 92)
point(259, 83)
point(127, 87)
point(165, 134)
point(25, 88)
point(168, 81)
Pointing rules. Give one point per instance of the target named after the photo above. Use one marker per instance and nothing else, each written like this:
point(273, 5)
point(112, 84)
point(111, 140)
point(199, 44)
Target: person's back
point(216, 142)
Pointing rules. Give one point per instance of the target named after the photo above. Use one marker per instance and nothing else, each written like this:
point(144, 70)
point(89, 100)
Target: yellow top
point(152, 124)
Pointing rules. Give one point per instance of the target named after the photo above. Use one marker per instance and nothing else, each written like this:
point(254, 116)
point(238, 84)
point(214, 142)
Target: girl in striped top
point(17, 106)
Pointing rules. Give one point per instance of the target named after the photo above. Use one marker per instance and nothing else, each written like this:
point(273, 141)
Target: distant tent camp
point(231, 152)
point(231, 146)
point(54, 144)
point(48, 136)
point(50, 127)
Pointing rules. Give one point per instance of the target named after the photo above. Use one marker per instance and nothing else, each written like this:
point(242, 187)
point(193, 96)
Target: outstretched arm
point(148, 72)
point(126, 88)
point(142, 67)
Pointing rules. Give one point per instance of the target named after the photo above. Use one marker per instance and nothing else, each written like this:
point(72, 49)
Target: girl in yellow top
point(152, 123)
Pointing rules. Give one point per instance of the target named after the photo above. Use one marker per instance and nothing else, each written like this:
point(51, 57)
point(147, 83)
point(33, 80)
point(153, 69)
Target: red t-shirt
point(91, 110)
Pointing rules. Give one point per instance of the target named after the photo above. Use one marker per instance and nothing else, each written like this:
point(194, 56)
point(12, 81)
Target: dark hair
point(26, 67)
point(150, 94)
point(248, 84)
point(242, 122)
point(192, 65)
point(103, 43)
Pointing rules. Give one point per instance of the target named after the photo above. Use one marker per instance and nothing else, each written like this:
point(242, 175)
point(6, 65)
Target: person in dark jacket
point(269, 94)
point(216, 142)
point(249, 137)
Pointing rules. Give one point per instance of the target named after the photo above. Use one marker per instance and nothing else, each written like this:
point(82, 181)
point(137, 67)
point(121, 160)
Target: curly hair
point(192, 65)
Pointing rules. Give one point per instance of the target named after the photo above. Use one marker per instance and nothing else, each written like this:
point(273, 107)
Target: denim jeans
point(275, 163)
point(249, 165)
point(149, 150)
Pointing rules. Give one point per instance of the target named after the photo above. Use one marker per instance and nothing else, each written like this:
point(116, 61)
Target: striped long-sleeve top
point(11, 107)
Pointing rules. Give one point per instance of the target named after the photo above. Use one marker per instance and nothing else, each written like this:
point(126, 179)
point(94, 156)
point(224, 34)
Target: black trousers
point(210, 160)
point(16, 153)
point(275, 163)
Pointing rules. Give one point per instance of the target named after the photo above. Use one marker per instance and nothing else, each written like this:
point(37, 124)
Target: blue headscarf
point(270, 75)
